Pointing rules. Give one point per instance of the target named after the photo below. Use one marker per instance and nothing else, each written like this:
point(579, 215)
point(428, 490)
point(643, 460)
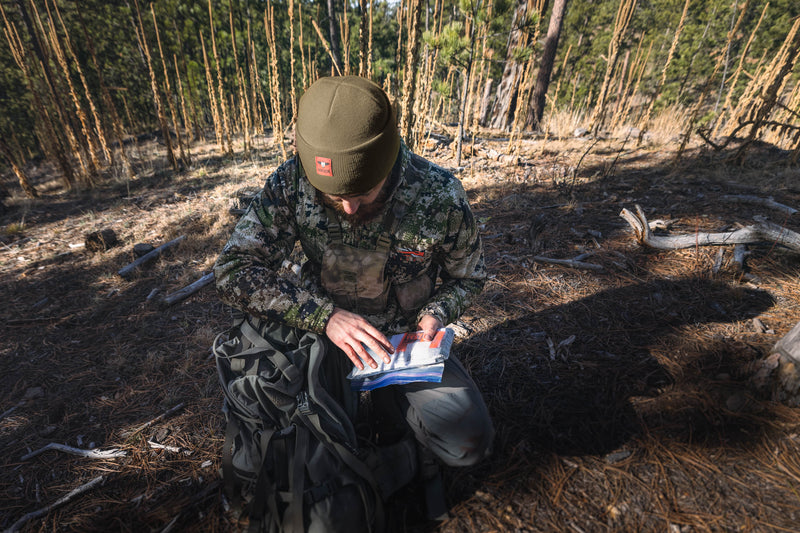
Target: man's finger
point(365, 356)
point(351, 354)
point(381, 350)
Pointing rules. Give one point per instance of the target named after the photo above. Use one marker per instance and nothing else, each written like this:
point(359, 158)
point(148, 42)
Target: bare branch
point(91, 454)
point(162, 416)
point(128, 270)
point(766, 202)
point(568, 262)
point(182, 294)
point(760, 232)
point(58, 503)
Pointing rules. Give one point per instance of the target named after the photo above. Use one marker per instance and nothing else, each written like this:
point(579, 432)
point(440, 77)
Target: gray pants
point(448, 418)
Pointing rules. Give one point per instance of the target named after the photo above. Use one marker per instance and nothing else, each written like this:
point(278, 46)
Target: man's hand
point(348, 331)
point(429, 325)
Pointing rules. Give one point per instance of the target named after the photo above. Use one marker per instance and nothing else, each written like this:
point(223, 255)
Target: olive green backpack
point(291, 458)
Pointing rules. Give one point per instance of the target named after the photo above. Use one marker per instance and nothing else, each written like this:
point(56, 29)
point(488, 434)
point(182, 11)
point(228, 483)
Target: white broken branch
point(174, 449)
point(91, 454)
point(86, 487)
point(759, 232)
point(766, 202)
point(740, 253)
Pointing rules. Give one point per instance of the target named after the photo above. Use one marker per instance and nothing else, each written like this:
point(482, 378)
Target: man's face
point(361, 208)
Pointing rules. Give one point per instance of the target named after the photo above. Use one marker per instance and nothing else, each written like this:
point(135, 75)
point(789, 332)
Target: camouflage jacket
point(436, 236)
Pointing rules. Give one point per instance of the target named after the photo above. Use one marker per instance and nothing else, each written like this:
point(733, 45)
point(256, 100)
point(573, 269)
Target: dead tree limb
point(86, 487)
point(766, 202)
point(568, 262)
point(740, 253)
point(165, 414)
point(182, 294)
point(759, 232)
point(91, 454)
point(128, 270)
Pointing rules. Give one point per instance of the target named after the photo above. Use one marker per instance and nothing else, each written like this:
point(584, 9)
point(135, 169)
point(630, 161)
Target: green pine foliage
point(586, 33)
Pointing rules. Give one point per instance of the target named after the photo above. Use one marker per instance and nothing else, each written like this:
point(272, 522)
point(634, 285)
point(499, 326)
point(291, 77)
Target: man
point(378, 226)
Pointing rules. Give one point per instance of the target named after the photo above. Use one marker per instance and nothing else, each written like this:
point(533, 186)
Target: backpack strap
point(280, 360)
point(293, 518)
point(264, 492)
point(233, 487)
point(349, 457)
point(306, 412)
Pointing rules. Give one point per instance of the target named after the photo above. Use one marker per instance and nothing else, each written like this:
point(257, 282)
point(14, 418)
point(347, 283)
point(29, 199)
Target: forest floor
point(621, 396)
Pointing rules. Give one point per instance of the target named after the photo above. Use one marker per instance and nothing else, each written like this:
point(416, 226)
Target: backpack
point(291, 459)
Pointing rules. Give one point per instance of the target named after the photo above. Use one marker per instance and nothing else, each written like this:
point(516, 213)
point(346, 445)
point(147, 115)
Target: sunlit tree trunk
point(546, 66)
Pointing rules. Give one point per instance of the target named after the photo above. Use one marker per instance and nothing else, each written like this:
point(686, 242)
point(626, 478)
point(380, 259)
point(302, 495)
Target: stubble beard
point(365, 213)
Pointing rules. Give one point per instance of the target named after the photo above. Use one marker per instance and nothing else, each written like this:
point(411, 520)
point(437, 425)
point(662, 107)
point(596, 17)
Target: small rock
point(617, 456)
point(580, 132)
point(758, 325)
point(100, 241)
point(143, 248)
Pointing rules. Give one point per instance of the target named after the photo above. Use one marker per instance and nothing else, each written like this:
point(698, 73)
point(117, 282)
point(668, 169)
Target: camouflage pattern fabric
point(437, 238)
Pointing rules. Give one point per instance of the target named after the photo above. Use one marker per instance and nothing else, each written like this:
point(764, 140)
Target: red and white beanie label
point(324, 166)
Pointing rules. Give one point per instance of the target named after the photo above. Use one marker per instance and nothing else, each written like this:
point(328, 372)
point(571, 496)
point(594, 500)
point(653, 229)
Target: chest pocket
point(355, 278)
point(414, 293)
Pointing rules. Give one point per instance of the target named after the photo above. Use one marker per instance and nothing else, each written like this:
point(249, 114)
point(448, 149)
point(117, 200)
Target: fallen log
point(128, 270)
point(182, 294)
point(760, 232)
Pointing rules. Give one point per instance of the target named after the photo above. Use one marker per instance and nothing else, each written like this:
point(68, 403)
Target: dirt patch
point(620, 395)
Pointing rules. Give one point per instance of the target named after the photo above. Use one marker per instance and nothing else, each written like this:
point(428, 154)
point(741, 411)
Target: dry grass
point(645, 421)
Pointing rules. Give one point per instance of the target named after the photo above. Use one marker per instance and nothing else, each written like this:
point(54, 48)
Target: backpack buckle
point(303, 403)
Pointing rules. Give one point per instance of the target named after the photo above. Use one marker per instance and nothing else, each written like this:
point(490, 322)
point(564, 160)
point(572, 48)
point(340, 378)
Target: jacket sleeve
point(463, 271)
point(248, 271)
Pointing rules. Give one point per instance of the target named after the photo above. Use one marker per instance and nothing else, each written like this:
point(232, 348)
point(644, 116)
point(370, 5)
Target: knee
point(470, 448)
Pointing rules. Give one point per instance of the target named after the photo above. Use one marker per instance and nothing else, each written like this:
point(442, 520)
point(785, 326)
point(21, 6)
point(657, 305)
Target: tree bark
point(333, 33)
point(486, 101)
point(546, 67)
point(24, 183)
point(410, 73)
point(508, 88)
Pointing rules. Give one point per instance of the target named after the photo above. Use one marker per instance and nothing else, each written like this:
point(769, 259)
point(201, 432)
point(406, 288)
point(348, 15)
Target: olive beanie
point(346, 135)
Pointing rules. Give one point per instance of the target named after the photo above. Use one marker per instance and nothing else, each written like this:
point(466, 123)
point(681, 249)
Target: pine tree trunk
point(507, 90)
point(546, 67)
point(24, 183)
point(410, 78)
point(333, 33)
point(486, 101)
